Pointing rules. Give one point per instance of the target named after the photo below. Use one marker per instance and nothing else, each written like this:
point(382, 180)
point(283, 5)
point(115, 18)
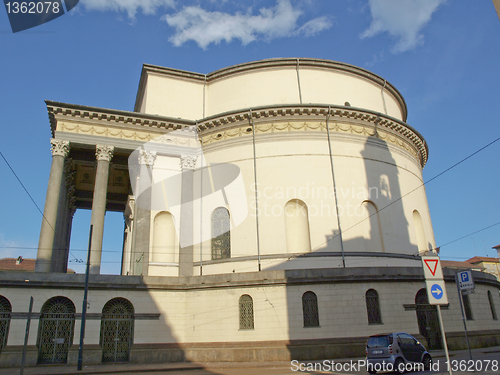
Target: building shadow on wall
point(341, 306)
point(124, 321)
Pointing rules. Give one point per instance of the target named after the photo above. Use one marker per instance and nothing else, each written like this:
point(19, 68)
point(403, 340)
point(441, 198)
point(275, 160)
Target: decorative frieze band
point(103, 152)
point(59, 147)
point(215, 126)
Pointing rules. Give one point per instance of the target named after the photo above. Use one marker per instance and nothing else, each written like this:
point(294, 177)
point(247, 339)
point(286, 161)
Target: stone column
point(60, 150)
point(128, 215)
point(57, 254)
point(104, 154)
point(142, 217)
point(71, 189)
point(64, 219)
point(186, 220)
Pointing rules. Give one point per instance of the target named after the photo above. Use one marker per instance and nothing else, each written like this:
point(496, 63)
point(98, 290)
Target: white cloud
point(403, 19)
point(313, 27)
point(204, 27)
point(129, 6)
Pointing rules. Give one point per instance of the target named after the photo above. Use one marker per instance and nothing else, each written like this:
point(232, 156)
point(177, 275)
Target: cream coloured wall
point(252, 89)
point(212, 315)
point(329, 87)
point(296, 165)
point(209, 313)
point(262, 83)
point(166, 96)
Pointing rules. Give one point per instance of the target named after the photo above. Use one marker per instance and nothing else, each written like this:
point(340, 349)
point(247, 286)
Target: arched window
point(5, 310)
point(370, 228)
point(246, 312)
point(419, 231)
point(117, 330)
point(492, 306)
point(467, 307)
point(297, 227)
point(373, 307)
point(310, 309)
point(165, 242)
point(427, 318)
point(221, 234)
point(55, 330)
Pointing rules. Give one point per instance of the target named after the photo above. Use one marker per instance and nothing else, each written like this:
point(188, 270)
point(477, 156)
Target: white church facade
point(273, 210)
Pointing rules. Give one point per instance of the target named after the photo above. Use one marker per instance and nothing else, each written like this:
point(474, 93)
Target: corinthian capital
point(59, 148)
point(188, 162)
point(103, 152)
point(147, 157)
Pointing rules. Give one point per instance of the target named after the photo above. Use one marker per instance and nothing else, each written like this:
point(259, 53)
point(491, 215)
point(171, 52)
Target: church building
point(273, 210)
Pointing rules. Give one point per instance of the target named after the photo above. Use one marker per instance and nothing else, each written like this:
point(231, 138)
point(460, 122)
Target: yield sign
point(432, 267)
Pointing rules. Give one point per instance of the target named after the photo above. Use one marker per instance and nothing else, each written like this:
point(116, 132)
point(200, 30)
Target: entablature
point(376, 122)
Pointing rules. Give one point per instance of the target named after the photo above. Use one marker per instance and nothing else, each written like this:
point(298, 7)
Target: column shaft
point(60, 233)
point(186, 219)
point(45, 254)
point(104, 155)
point(142, 216)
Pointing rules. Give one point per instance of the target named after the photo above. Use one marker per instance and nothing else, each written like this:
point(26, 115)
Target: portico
point(90, 151)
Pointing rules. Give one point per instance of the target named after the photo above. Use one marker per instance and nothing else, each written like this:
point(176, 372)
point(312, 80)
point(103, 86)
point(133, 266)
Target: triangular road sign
point(432, 265)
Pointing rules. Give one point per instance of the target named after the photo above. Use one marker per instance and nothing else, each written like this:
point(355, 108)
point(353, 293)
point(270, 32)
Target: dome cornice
point(375, 120)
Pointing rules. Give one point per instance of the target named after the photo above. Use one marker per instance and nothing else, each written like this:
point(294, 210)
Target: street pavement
point(460, 361)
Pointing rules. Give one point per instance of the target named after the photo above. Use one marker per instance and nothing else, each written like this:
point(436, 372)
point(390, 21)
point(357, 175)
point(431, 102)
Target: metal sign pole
point(436, 292)
point(26, 336)
point(444, 339)
point(463, 314)
point(84, 307)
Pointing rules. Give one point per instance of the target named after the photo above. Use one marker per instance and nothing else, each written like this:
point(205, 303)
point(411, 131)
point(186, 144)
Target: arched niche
point(297, 227)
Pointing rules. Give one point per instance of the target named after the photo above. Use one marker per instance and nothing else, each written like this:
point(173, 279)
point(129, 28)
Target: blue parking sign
point(465, 280)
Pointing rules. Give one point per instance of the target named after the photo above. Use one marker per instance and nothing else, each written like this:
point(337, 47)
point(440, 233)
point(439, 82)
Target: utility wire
point(411, 191)
point(470, 234)
point(29, 195)
point(26, 190)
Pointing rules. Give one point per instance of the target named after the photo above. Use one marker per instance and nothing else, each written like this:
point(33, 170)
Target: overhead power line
point(470, 234)
point(24, 187)
point(411, 191)
point(29, 195)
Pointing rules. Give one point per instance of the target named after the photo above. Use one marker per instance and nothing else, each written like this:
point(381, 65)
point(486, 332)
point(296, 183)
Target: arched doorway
point(5, 310)
point(55, 330)
point(117, 330)
point(428, 323)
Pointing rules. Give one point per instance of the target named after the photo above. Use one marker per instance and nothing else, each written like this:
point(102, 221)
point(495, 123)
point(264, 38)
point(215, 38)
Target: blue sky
point(442, 55)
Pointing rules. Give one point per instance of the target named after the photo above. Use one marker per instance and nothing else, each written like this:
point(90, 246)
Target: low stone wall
point(477, 339)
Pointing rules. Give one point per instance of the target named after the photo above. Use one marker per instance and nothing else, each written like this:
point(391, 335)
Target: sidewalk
point(123, 368)
point(120, 368)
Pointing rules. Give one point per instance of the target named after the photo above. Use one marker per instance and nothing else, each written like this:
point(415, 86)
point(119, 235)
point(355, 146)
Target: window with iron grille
point(55, 330)
point(5, 310)
point(221, 234)
point(373, 307)
point(492, 306)
point(117, 330)
point(246, 312)
point(467, 307)
point(310, 309)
